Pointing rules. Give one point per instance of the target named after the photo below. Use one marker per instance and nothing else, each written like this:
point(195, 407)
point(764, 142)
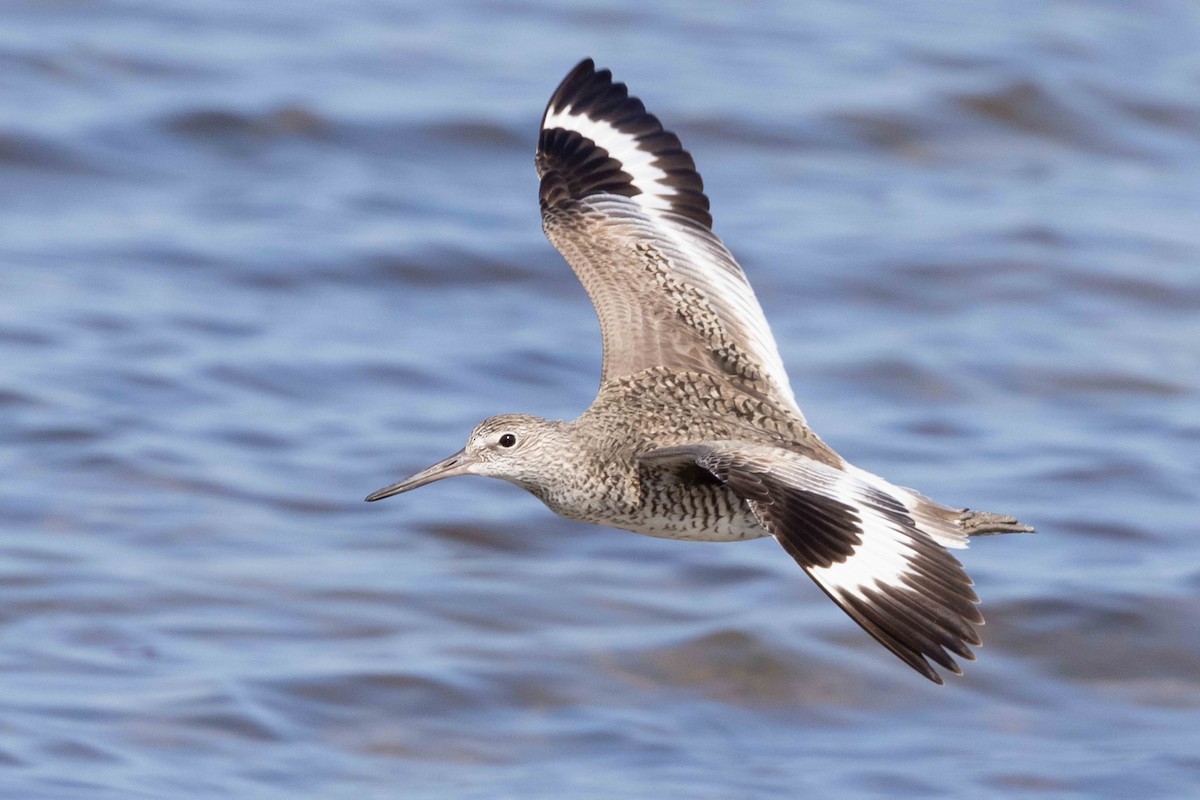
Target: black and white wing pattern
point(877, 550)
point(623, 203)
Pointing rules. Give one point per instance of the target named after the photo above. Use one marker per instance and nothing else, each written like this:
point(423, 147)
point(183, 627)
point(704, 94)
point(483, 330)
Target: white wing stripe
point(882, 556)
point(635, 161)
point(942, 531)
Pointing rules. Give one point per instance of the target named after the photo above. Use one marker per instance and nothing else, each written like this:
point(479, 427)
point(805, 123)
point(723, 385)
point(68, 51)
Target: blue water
point(257, 260)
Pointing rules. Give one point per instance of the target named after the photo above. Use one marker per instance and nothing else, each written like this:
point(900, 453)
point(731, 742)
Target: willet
point(695, 433)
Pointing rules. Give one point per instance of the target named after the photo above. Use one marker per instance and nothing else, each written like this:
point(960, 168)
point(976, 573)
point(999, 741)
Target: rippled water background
point(257, 260)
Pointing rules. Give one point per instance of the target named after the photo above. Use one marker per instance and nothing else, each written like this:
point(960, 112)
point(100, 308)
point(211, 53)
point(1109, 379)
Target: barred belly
point(704, 513)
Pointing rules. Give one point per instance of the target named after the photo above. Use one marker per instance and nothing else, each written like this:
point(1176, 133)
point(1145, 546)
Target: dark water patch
point(399, 694)
point(313, 505)
point(217, 327)
point(931, 288)
point(275, 279)
point(12, 398)
point(155, 255)
point(112, 63)
point(471, 133)
point(896, 378)
point(84, 63)
point(546, 689)
point(26, 580)
point(1116, 643)
point(272, 379)
point(107, 462)
point(1026, 782)
point(897, 784)
point(381, 202)
point(1093, 469)
point(1157, 294)
point(352, 596)
point(1038, 235)
point(26, 337)
point(186, 479)
point(19, 151)
point(1190, 763)
point(1029, 107)
point(723, 576)
point(392, 373)
point(535, 367)
point(223, 713)
point(29, 61)
point(942, 428)
point(903, 134)
point(62, 435)
point(469, 138)
point(953, 60)
point(462, 752)
point(79, 752)
point(39, 557)
point(739, 668)
point(472, 261)
point(1074, 386)
point(488, 538)
point(151, 393)
point(445, 267)
point(284, 122)
point(88, 664)
point(147, 348)
point(729, 131)
point(972, 276)
point(1105, 531)
point(253, 439)
point(1099, 469)
point(104, 323)
point(1157, 112)
point(103, 643)
point(189, 480)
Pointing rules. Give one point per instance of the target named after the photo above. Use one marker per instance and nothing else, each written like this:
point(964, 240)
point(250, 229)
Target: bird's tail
point(949, 527)
point(985, 523)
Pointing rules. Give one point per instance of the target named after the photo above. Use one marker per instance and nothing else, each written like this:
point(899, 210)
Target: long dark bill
point(458, 464)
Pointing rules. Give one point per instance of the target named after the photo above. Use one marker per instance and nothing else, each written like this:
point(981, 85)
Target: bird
point(695, 433)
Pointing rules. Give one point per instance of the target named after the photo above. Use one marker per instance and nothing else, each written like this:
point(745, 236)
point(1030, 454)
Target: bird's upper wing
point(622, 201)
point(872, 547)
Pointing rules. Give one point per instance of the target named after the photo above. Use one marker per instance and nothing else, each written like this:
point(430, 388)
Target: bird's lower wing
point(859, 541)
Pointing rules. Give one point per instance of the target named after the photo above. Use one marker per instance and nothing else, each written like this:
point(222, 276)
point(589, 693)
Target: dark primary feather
point(573, 166)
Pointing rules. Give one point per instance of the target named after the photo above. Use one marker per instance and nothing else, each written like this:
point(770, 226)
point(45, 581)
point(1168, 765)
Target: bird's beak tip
point(458, 464)
point(386, 491)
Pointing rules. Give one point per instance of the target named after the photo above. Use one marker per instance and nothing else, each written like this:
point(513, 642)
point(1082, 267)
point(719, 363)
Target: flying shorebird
point(695, 433)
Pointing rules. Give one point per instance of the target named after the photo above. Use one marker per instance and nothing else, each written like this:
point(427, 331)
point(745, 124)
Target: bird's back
point(661, 407)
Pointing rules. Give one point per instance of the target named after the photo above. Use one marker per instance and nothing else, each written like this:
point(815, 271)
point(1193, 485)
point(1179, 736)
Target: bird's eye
point(507, 440)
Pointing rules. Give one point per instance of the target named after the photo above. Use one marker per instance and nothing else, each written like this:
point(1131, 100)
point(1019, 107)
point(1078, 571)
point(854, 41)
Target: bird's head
point(519, 448)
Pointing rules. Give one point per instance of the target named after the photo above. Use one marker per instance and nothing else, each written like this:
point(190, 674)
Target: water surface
point(259, 260)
